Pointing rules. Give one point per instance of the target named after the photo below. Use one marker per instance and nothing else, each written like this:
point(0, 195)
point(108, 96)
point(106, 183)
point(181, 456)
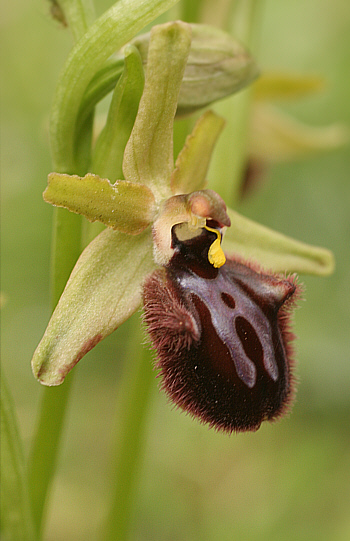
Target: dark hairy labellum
point(222, 336)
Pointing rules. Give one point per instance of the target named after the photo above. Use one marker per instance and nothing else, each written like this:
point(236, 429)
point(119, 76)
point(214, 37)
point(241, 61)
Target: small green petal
point(277, 137)
point(109, 150)
point(148, 155)
point(273, 250)
point(193, 161)
point(124, 206)
point(103, 291)
point(281, 86)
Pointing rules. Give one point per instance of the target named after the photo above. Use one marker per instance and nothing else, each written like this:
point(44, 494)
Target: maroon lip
point(222, 337)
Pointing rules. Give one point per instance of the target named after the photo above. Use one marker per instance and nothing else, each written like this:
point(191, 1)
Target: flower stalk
point(230, 158)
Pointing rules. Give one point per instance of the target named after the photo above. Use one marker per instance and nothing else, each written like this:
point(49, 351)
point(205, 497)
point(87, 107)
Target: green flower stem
point(243, 21)
point(44, 453)
point(130, 431)
point(230, 157)
point(107, 35)
point(65, 251)
point(66, 248)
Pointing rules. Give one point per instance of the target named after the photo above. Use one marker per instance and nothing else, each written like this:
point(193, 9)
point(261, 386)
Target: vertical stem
point(229, 160)
point(66, 248)
point(44, 453)
point(230, 157)
point(130, 431)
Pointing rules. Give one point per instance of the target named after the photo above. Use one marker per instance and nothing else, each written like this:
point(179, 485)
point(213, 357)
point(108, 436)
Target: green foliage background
point(289, 480)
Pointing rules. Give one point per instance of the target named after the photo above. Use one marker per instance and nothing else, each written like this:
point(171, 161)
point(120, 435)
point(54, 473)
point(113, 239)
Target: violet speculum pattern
point(219, 324)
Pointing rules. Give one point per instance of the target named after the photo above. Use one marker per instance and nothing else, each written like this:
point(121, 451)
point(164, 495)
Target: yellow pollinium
point(216, 255)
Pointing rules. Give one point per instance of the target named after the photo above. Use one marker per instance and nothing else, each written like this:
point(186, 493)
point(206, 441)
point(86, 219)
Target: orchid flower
point(217, 287)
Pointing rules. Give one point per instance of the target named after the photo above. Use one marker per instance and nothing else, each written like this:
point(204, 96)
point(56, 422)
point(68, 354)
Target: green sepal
point(148, 156)
point(103, 291)
point(124, 206)
point(278, 137)
point(109, 150)
point(272, 250)
point(193, 161)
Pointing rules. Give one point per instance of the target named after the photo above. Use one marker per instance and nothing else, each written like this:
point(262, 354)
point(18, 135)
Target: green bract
point(105, 286)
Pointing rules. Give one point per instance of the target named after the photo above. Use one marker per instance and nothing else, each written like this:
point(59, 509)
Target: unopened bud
point(218, 65)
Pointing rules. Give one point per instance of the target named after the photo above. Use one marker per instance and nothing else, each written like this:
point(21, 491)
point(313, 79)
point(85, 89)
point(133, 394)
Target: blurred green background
point(290, 480)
